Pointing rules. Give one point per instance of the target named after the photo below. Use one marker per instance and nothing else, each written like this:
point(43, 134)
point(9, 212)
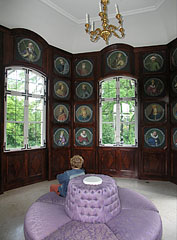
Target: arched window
point(25, 109)
point(118, 112)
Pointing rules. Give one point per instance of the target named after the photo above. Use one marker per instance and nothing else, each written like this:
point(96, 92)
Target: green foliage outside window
point(118, 105)
point(17, 104)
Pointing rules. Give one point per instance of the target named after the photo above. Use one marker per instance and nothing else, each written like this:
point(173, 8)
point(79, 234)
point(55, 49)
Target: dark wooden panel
point(107, 160)
point(89, 159)
point(15, 167)
point(36, 163)
point(128, 162)
point(118, 162)
point(174, 165)
point(60, 161)
point(1, 110)
point(154, 163)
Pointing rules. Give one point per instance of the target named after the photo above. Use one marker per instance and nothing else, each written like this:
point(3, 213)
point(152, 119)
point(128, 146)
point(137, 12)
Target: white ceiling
point(75, 10)
point(62, 22)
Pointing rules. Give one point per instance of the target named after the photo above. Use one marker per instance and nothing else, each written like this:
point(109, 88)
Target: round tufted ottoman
point(92, 203)
point(104, 211)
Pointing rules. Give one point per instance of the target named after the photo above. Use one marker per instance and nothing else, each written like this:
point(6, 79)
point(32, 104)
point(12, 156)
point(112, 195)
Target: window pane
point(14, 135)
point(36, 84)
point(109, 89)
point(127, 88)
point(127, 111)
point(15, 108)
point(35, 109)
point(108, 111)
point(108, 122)
point(16, 80)
point(127, 133)
point(108, 133)
point(34, 134)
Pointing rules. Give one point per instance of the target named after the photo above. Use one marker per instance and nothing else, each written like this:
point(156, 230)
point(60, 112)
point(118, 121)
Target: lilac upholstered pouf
point(92, 203)
point(52, 217)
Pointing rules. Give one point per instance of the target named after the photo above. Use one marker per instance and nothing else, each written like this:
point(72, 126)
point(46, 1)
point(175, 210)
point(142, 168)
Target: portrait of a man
point(83, 137)
point(61, 89)
point(154, 112)
point(154, 137)
point(61, 65)
point(61, 113)
point(153, 62)
point(83, 113)
point(84, 68)
point(84, 90)
point(117, 60)
point(29, 50)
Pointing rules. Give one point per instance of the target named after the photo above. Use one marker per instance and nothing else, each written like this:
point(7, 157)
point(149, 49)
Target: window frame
point(117, 99)
point(26, 96)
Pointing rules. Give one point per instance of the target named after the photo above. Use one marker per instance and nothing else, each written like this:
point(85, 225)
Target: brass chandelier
point(108, 30)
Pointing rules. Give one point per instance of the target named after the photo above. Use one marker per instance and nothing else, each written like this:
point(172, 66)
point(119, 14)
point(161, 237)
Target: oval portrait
point(61, 89)
point(174, 57)
point(154, 137)
point(154, 112)
point(29, 50)
point(154, 87)
point(153, 62)
point(61, 65)
point(83, 137)
point(175, 111)
point(84, 90)
point(61, 137)
point(84, 113)
point(84, 68)
point(175, 138)
point(61, 113)
point(174, 84)
point(117, 60)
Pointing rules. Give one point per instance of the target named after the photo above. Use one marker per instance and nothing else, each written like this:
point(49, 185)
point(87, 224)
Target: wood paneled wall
point(26, 167)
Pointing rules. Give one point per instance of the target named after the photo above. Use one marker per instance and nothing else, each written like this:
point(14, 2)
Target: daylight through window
point(25, 109)
point(118, 112)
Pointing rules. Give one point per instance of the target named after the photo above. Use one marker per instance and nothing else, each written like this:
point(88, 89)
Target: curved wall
point(26, 167)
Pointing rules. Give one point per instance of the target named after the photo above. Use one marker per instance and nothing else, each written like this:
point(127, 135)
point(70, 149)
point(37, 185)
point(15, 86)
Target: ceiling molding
point(159, 4)
point(111, 16)
point(60, 10)
point(127, 13)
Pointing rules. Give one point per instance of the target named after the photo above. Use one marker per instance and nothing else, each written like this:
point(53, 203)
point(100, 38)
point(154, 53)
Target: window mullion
point(5, 119)
point(100, 125)
point(43, 125)
point(100, 113)
point(136, 124)
point(118, 111)
point(26, 106)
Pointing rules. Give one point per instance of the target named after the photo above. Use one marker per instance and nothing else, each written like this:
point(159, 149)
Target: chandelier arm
point(116, 35)
point(113, 29)
point(94, 35)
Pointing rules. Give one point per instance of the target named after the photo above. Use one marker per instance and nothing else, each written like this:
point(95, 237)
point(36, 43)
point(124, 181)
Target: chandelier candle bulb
point(117, 9)
point(86, 17)
point(92, 26)
point(100, 7)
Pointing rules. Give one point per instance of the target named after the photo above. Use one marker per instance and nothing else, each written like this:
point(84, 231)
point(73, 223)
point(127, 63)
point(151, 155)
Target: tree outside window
point(118, 112)
point(25, 109)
